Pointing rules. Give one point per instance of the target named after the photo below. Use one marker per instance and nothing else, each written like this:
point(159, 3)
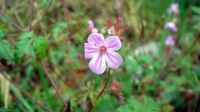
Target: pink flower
point(171, 26)
point(102, 52)
point(170, 41)
point(174, 9)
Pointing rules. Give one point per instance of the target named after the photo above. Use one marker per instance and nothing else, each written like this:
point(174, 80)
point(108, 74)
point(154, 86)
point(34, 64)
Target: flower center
point(103, 49)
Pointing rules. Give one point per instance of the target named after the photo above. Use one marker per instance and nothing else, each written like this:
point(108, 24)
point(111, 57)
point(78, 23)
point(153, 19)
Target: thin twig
point(12, 22)
point(31, 13)
point(53, 83)
point(50, 3)
point(18, 19)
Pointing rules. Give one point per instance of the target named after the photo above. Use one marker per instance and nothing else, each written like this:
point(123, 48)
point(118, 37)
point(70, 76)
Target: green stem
point(105, 83)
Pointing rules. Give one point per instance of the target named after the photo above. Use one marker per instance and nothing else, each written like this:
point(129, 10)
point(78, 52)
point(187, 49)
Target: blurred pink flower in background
point(169, 41)
point(174, 9)
point(171, 26)
point(90, 25)
point(102, 52)
point(115, 85)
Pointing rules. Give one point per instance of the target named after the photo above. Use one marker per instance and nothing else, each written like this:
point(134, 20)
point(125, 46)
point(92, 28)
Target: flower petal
point(171, 26)
point(114, 60)
point(90, 50)
point(96, 38)
point(98, 64)
point(113, 43)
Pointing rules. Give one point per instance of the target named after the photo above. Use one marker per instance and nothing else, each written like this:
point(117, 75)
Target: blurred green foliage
point(42, 55)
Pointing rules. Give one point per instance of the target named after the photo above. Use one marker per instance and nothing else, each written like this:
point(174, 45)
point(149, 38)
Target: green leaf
point(19, 96)
point(132, 65)
point(24, 44)
point(44, 3)
point(57, 54)
point(58, 28)
point(2, 33)
point(47, 95)
point(6, 51)
point(136, 105)
point(40, 46)
point(196, 9)
point(106, 103)
point(73, 53)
